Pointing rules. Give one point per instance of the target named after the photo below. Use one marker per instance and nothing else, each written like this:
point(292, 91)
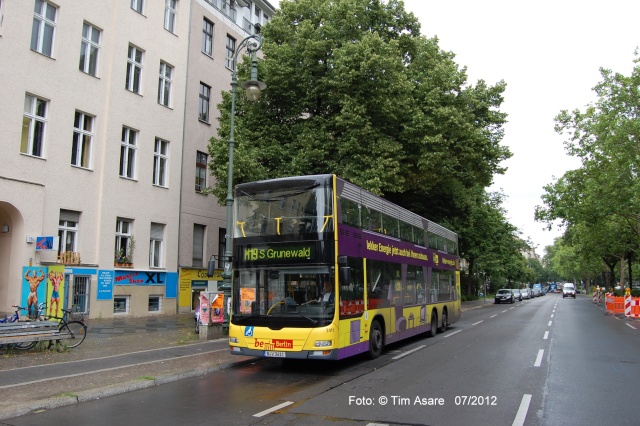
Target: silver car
point(526, 293)
point(517, 294)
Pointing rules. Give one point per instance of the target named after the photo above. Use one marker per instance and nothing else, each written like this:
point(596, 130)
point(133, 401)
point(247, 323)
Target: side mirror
point(345, 276)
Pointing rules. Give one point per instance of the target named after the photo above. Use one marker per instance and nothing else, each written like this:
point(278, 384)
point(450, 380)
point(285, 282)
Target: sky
point(549, 53)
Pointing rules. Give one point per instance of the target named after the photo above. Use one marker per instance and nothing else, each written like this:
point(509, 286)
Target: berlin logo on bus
point(274, 344)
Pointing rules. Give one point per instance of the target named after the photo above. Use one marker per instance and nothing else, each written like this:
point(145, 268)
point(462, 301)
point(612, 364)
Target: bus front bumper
point(327, 354)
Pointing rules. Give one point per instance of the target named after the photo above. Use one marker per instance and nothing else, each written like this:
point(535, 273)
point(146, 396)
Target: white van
point(568, 290)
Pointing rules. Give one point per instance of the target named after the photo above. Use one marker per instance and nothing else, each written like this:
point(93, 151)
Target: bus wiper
point(248, 317)
point(314, 322)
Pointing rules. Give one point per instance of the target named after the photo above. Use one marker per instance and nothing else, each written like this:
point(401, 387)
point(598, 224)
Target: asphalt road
point(546, 361)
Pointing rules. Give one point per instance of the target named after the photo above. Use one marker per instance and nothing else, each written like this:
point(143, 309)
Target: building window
point(155, 245)
point(229, 9)
point(124, 241)
point(82, 140)
point(207, 37)
point(258, 15)
point(1, 17)
point(134, 69)
point(170, 11)
point(128, 149)
point(68, 230)
point(80, 296)
point(155, 303)
point(247, 25)
point(121, 304)
point(203, 106)
point(198, 245)
point(201, 171)
point(89, 49)
point(138, 6)
point(33, 126)
point(231, 48)
point(44, 25)
point(160, 159)
point(164, 84)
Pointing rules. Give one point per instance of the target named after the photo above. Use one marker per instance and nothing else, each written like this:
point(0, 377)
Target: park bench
point(28, 331)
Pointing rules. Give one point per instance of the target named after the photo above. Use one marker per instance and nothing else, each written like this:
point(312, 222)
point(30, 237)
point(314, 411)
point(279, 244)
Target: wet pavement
point(117, 356)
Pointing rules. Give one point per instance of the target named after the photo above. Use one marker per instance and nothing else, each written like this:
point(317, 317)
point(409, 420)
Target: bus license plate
point(274, 354)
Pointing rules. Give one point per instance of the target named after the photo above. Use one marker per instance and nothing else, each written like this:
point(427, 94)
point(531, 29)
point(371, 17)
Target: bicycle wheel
point(78, 331)
point(24, 346)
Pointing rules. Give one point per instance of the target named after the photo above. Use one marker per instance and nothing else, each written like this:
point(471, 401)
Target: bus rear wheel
point(434, 323)
point(443, 327)
point(375, 340)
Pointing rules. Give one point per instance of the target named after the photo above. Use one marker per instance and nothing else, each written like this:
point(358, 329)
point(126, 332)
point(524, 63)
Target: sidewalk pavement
point(118, 356)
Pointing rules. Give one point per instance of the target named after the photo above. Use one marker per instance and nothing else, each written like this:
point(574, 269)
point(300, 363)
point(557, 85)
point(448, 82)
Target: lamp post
point(253, 88)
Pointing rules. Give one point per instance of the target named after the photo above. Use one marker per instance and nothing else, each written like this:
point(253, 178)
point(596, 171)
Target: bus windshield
point(298, 296)
point(298, 208)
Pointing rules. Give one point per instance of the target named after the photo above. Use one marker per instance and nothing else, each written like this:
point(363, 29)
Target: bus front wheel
point(375, 340)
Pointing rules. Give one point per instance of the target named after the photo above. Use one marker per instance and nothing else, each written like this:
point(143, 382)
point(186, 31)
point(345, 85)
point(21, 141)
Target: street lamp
point(253, 88)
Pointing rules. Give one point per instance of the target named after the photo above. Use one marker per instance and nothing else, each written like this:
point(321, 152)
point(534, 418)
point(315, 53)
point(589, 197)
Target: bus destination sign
point(277, 253)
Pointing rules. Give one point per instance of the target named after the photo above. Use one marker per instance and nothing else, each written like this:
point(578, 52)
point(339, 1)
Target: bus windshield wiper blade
point(314, 322)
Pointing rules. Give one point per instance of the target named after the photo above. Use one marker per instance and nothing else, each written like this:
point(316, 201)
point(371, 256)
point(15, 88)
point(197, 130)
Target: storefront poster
point(32, 290)
point(55, 290)
point(105, 285)
point(217, 308)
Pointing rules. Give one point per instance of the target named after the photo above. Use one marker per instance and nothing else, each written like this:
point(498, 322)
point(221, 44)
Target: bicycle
point(41, 310)
point(22, 346)
point(77, 329)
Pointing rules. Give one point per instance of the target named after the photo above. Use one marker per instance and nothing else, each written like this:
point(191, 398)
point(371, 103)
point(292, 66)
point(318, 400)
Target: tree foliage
point(354, 89)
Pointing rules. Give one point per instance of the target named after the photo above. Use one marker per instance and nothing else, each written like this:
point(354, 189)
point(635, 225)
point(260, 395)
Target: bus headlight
point(322, 343)
point(233, 340)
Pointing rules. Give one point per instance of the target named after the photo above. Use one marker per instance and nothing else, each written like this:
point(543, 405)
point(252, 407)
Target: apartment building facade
point(103, 133)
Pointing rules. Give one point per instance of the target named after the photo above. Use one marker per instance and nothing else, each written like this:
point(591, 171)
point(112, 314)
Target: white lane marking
point(551, 315)
point(451, 334)
point(546, 335)
point(538, 362)
point(550, 322)
point(409, 352)
point(504, 311)
point(522, 411)
point(272, 409)
point(629, 325)
point(476, 323)
point(493, 316)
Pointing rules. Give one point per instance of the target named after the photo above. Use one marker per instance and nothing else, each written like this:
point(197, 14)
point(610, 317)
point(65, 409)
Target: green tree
point(354, 89)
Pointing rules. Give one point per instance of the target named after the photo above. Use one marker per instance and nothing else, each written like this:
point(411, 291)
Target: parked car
point(505, 295)
point(535, 292)
point(517, 294)
point(568, 290)
point(526, 293)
